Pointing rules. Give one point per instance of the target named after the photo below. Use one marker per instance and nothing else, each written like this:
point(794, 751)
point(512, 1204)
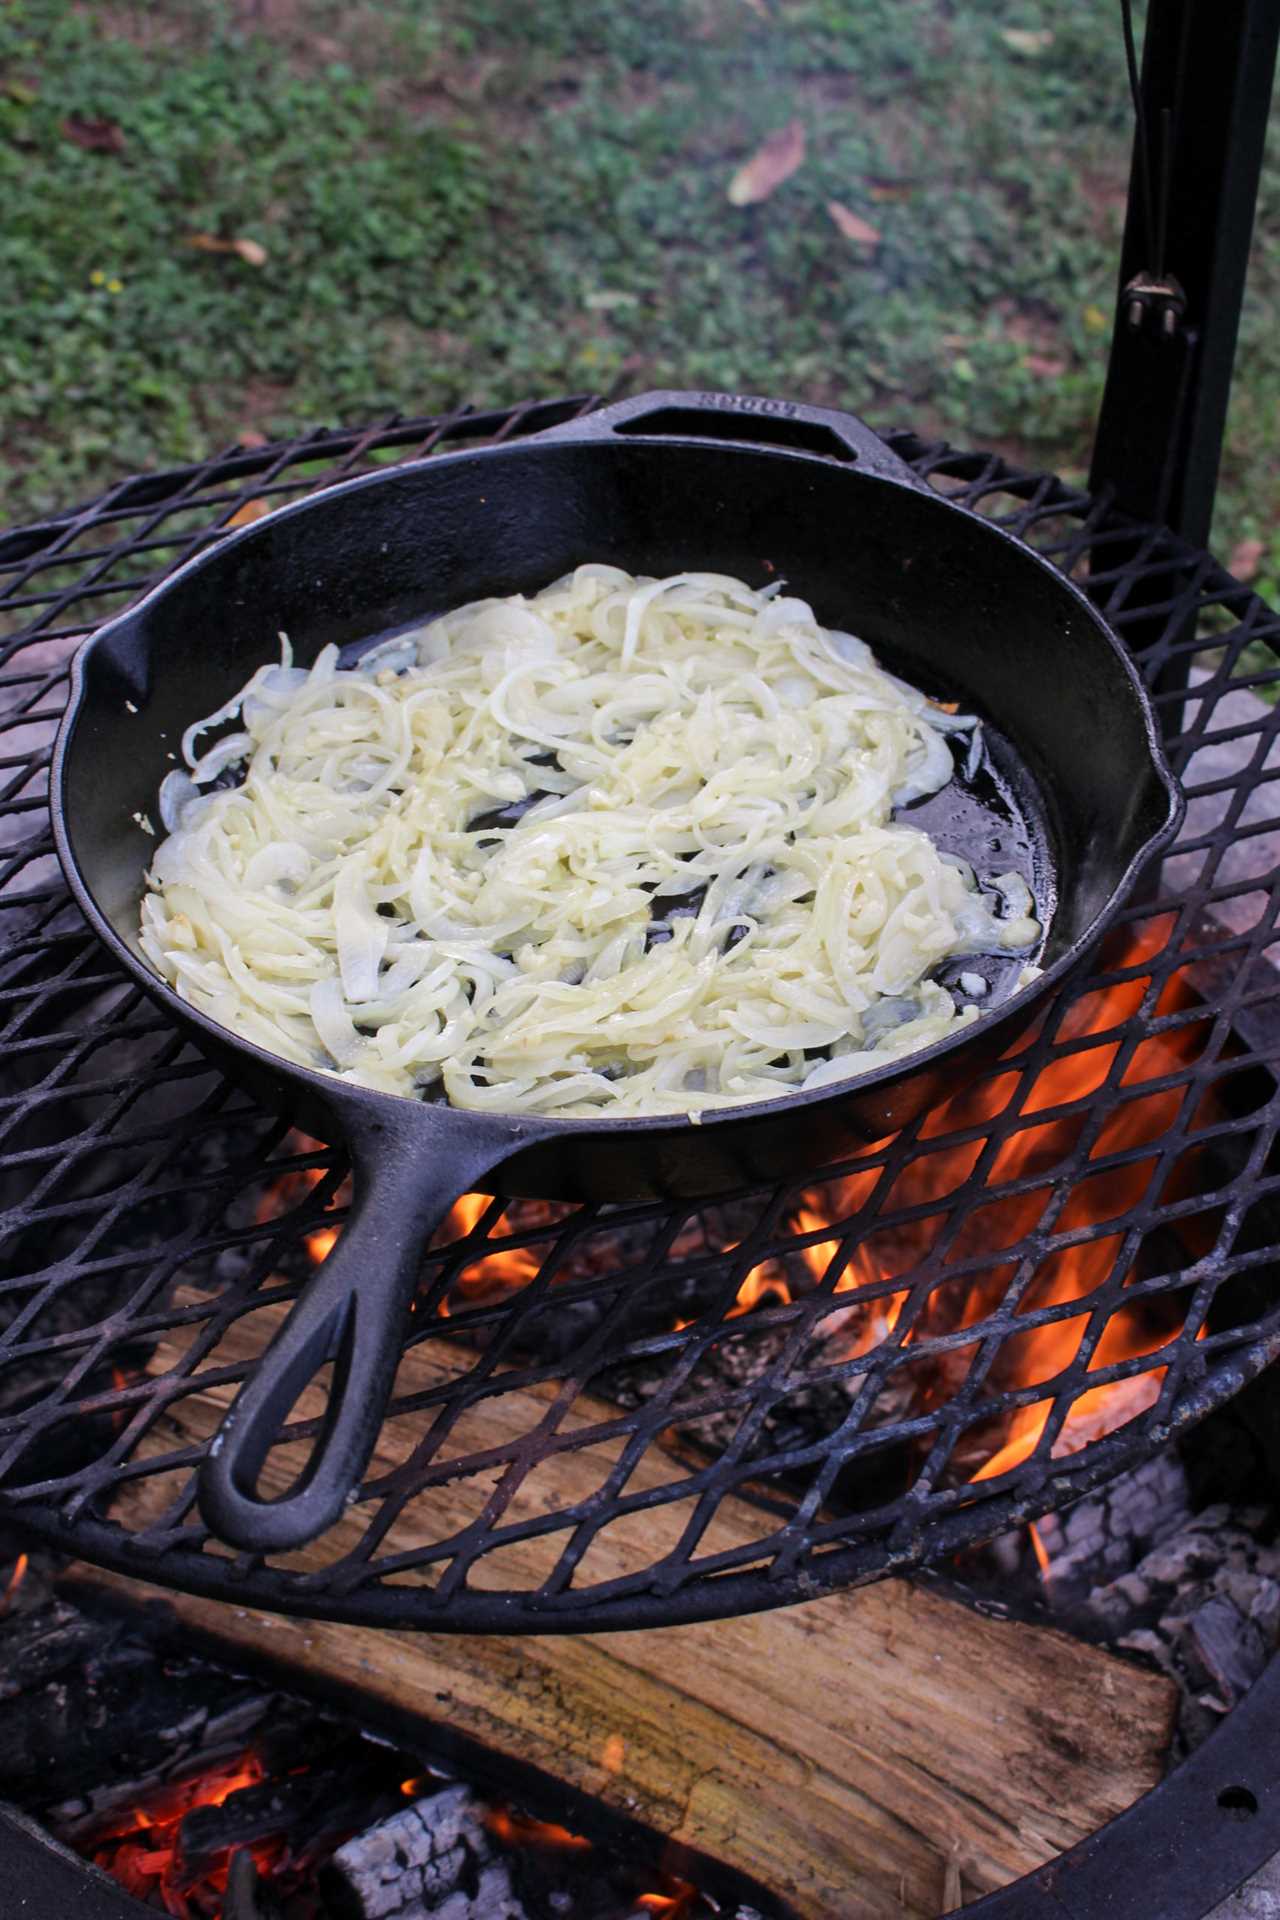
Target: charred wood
point(38, 1644)
point(248, 1897)
point(312, 1809)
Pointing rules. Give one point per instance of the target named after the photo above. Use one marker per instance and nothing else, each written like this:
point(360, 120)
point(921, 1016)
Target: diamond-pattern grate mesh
point(622, 1416)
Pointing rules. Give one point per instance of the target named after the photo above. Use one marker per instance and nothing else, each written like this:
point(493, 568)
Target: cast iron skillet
point(1075, 790)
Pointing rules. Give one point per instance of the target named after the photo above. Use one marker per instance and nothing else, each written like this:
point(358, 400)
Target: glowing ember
point(516, 1829)
point(140, 1847)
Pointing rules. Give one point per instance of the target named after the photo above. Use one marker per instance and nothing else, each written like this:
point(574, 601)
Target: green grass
point(489, 199)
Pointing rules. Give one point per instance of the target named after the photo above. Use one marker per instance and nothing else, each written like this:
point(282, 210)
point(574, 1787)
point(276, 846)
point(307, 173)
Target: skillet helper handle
point(668, 414)
point(353, 1313)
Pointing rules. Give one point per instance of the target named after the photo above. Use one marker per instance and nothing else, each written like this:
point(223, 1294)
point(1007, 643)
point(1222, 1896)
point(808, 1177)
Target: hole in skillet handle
point(744, 418)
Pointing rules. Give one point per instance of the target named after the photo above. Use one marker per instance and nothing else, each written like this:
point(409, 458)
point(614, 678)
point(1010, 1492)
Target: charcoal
point(101, 1764)
point(1228, 1646)
point(247, 1896)
point(92, 1713)
point(302, 1738)
point(253, 1813)
point(38, 1645)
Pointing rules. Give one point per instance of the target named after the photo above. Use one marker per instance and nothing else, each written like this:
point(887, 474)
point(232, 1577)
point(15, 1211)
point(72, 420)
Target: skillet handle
point(668, 414)
point(353, 1313)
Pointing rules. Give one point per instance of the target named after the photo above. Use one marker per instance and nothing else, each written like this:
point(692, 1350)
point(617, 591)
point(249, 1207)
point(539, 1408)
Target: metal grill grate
point(1086, 1237)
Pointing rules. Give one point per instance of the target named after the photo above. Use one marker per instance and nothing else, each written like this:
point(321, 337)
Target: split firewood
point(862, 1754)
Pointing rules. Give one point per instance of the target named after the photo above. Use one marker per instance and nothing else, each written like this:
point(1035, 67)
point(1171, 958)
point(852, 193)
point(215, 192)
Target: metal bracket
point(1206, 84)
point(1156, 302)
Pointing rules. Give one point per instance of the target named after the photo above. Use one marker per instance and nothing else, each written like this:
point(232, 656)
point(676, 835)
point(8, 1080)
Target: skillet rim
point(331, 1092)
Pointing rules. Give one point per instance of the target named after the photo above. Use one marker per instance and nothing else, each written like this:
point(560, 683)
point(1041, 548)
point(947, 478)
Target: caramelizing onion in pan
point(625, 847)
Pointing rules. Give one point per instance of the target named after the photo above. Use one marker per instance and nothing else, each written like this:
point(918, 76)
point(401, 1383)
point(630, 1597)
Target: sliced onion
point(333, 1023)
point(1015, 893)
point(177, 790)
point(236, 746)
point(279, 860)
point(361, 934)
point(695, 736)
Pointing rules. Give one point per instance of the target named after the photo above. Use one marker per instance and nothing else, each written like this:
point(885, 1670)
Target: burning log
point(853, 1754)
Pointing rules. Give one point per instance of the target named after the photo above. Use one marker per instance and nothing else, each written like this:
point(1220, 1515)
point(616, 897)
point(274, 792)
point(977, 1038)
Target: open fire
point(1019, 1180)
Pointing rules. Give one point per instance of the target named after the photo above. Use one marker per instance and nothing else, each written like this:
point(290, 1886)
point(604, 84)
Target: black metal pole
point(1206, 81)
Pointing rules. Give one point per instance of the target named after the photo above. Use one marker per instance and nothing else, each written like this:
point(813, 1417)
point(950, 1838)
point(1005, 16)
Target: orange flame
point(291, 1189)
point(496, 1270)
point(15, 1580)
point(672, 1906)
point(515, 1829)
point(1075, 1273)
point(1040, 1551)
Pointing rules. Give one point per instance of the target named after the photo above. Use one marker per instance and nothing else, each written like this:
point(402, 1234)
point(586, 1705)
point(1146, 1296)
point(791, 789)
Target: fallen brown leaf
point(1042, 366)
point(1246, 558)
point(250, 437)
point(772, 163)
point(256, 509)
point(1027, 39)
point(890, 189)
point(95, 136)
point(250, 250)
point(854, 227)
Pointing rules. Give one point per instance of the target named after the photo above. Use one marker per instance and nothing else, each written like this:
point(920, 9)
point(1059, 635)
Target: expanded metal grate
point(626, 1416)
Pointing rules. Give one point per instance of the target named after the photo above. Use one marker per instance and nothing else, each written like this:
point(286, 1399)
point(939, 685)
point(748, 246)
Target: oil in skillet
point(991, 818)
